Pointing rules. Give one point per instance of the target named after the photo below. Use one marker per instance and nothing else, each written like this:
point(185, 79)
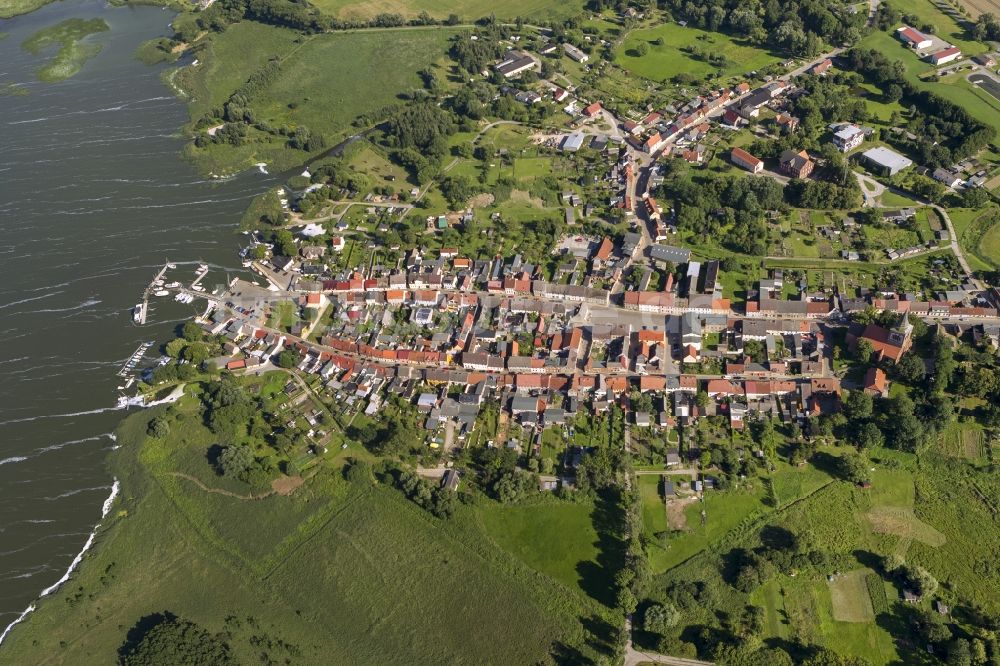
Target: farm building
point(514, 63)
point(575, 53)
point(913, 38)
point(945, 55)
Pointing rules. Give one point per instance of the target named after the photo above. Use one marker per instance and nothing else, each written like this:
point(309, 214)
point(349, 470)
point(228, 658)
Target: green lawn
point(663, 62)
point(724, 512)
point(980, 104)
point(337, 572)
point(467, 10)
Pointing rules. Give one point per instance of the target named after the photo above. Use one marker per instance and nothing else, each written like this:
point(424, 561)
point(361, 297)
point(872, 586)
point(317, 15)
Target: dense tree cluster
point(476, 55)
point(799, 27)
point(173, 640)
point(987, 28)
point(735, 204)
point(501, 477)
point(436, 499)
point(823, 194)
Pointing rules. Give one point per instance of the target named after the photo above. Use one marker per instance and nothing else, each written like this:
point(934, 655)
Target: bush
point(236, 461)
point(158, 427)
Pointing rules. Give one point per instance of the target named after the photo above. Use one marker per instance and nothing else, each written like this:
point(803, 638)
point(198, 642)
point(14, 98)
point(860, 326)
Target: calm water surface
point(93, 197)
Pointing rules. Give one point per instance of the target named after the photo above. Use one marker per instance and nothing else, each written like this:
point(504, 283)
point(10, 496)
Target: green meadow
point(664, 61)
point(313, 89)
point(935, 511)
point(336, 572)
point(12, 8)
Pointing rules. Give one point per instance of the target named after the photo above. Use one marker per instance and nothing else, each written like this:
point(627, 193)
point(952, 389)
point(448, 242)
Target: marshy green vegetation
point(331, 567)
point(73, 52)
point(12, 8)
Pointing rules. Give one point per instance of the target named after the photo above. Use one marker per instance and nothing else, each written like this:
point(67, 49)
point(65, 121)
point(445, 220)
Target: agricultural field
point(312, 576)
point(684, 51)
point(977, 7)
point(467, 10)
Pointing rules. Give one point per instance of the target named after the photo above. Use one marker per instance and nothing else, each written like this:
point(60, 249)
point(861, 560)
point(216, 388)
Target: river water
point(94, 196)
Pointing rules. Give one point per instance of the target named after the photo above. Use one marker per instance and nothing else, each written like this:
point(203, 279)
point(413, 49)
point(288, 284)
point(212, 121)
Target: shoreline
point(105, 510)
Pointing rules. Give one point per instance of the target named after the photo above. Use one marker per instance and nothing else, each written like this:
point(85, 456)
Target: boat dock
point(141, 308)
point(134, 359)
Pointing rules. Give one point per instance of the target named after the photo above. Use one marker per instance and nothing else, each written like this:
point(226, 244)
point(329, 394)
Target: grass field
point(466, 10)
point(945, 26)
point(837, 614)
point(979, 235)
point(560, 539)
point(74, 51)
point(665, 61)
point(963, 441)
point(338, 572)
point(850, 599)
point(311, 90)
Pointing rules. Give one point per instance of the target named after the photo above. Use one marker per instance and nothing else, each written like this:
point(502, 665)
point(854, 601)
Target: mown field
point(466, 10)
point(326, 82)
point(337, 572)
point(664, 61)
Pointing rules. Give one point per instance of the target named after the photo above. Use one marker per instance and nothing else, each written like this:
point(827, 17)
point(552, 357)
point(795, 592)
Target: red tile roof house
point(593, 110)
point(742, 158)
point(821, 67)
point(886, 343)
point(796, 164)
point(876, 383)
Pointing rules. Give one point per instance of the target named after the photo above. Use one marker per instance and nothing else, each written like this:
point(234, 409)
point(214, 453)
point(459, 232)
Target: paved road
point(870, 188)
